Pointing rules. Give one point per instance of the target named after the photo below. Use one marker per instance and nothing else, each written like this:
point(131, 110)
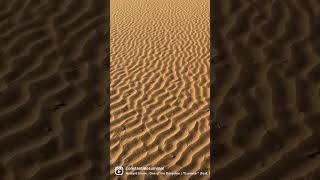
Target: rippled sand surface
point(53, 90)
point(160, 79)
point(267, 99)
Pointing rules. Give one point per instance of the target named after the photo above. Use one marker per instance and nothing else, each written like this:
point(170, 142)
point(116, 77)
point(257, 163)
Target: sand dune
point(52, 90)
point(160, 79)
point(266, 90)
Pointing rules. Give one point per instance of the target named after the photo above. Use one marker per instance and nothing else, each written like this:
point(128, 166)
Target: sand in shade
point(267, 84)
point(53, 94)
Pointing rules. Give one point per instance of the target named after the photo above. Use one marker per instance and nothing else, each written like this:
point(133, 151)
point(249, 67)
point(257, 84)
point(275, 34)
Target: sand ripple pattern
point(53, 86)
point(266, 89)
point(160, 79)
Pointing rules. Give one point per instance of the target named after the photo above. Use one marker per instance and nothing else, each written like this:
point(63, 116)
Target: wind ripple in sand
point(52, 90)
point(266, 90)
point(160, 82)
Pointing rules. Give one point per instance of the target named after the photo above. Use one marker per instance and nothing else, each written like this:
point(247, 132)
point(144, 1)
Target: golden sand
point(160, 84)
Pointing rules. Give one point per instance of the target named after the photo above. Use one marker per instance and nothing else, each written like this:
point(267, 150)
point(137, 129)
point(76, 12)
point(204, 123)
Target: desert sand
point(160, 84)
point(266, 93)
point(53, 84)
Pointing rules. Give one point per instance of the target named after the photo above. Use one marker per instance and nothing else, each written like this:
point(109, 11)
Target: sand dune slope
point(160, 83)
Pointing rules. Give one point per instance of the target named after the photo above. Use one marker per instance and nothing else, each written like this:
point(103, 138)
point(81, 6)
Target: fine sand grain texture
point(53, 84)
point(266, 90)
point(160, 84)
